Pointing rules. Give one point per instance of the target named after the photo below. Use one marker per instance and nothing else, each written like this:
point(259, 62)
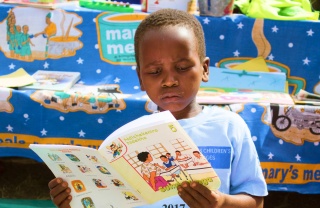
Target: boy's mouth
point(170, 97)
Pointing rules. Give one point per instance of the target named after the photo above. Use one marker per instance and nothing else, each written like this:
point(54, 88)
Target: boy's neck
point(188, 112)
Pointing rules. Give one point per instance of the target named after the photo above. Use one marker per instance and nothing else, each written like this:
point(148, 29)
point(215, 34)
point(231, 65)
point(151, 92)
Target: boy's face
point(149, 158)
point(170, 70)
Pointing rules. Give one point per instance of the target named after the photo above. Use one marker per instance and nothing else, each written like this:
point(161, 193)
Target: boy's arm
point(197, 195)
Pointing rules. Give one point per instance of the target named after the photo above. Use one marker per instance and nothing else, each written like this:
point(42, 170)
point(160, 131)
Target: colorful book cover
point(53, 80)
point(140, 163)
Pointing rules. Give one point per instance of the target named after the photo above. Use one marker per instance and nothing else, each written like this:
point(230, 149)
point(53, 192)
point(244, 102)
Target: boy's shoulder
point(223, 116)
point(220, 112)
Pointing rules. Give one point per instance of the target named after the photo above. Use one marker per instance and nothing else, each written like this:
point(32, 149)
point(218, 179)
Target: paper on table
point(16, 79)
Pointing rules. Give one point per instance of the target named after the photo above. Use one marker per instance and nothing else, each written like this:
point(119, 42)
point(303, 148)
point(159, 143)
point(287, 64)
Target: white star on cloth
point(271, 57)
point(11, 66)
point(298, 157)
point(275, 29)
point(206, 21)
point(270, 155)
point(81, 133)
point(80, 61)
point(46, 65)
point(236, 53)
point(306, 61)
point(10, 128)
point(116, 80)
point(43, 132)
point(310, 32)
point(240, 25)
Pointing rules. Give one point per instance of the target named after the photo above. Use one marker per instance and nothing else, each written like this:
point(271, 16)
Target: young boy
point(171, 64)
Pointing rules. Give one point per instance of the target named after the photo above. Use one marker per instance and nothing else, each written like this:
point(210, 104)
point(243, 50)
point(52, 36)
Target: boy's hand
point(60, 193)
point(197, 195)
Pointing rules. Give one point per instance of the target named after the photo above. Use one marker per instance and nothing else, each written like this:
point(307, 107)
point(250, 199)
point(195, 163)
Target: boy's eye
point(182, 68)
point(155, 71)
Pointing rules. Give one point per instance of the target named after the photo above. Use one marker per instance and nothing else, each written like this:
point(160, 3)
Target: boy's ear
point(205, 67)
point(140, 82)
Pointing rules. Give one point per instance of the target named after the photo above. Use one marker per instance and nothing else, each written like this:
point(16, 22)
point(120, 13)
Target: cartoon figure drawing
point(198, 159)
point(117, 182)
point(11, 39)
point(18, 38)
point(54, 34)
point(183, 159)
point(25, 51)
point(92, 158)
point(84, 169)
point(99, 183)
point(73, 158)
point(78, 186)
point(103, 169)
point(87, 202)
point(129, 196)
point(168, 164)
point(48, 32)
point(54, 157)
point(150, 172)
point(116, 149)
point(64, 169)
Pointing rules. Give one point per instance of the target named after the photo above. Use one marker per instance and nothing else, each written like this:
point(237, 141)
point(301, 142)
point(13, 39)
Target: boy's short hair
point(143, 156)
point(170, 17)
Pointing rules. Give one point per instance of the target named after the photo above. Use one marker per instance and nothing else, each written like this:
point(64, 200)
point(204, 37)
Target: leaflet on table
point(17, 78)
point(153, 155)
point(53, 80)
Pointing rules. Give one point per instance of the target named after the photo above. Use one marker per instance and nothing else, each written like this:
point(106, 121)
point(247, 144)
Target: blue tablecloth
point(99, 45)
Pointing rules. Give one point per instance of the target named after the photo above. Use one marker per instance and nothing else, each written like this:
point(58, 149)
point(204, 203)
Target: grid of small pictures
point(94, 175)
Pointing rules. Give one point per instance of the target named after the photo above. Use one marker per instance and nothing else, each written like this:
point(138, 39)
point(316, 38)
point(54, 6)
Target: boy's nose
point(170, 81)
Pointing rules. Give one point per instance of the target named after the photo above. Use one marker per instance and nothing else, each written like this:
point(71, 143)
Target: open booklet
point(140, 163)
